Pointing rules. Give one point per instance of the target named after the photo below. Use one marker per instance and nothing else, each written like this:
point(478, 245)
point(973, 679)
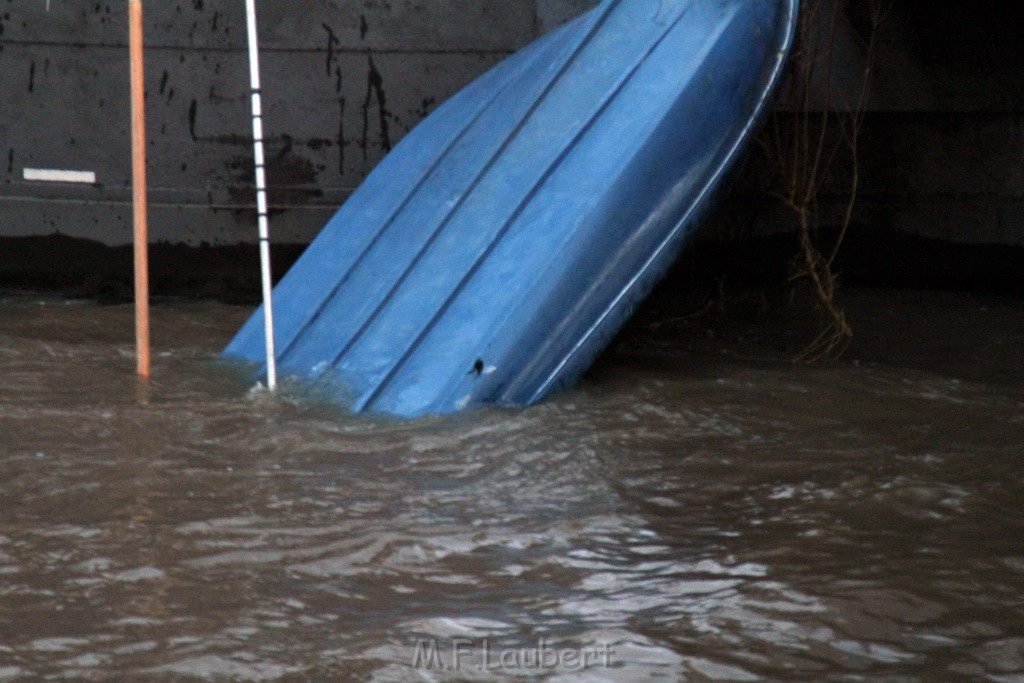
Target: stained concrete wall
point(343, 82)
point(942, 152)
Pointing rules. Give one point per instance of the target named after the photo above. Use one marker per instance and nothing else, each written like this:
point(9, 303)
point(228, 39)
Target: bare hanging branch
point(809, 144)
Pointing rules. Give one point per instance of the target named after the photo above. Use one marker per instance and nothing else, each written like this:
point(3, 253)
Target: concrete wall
point(942, 149)
point(343, 82)
point(942, 152)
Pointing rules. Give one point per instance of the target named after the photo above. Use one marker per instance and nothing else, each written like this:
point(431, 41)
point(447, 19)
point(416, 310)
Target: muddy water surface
point(694, 512)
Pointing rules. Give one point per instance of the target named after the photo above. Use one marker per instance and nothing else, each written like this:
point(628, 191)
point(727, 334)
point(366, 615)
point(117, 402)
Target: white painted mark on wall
point(51, 175)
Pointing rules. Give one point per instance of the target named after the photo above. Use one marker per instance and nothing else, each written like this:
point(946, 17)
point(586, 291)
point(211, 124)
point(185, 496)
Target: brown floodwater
point(698, 509)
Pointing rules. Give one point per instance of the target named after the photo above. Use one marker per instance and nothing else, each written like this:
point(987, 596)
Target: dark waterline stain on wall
point(341, 136)
point(332, 45)
point(375, 88)
point(192, 111)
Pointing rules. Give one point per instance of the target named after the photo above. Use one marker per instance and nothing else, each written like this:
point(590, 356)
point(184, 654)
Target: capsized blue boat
point(496, 251)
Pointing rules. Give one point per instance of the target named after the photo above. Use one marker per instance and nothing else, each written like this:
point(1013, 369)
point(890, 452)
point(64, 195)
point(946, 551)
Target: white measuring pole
point(261, 194)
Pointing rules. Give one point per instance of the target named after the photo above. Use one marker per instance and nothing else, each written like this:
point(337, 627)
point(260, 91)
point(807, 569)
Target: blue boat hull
point(495, 252)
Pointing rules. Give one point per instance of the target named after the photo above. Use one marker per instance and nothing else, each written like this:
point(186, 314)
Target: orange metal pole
point(139, 190)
